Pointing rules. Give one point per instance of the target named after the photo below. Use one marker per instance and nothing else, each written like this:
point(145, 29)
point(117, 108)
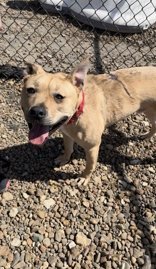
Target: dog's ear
point(79, 73)
point(33, 69)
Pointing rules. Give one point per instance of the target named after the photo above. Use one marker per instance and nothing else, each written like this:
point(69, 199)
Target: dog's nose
point(37, 112)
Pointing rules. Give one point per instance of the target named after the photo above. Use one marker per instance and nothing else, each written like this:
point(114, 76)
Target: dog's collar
point(78, 112)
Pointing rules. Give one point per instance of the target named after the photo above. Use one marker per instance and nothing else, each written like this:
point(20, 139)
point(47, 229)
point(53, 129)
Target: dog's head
point(50, 100)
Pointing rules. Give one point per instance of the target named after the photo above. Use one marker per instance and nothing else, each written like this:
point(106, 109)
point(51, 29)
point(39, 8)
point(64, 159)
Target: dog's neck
point(78, 112)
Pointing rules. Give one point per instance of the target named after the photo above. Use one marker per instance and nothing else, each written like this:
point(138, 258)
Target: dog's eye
point(31, 90)
point(58, 97)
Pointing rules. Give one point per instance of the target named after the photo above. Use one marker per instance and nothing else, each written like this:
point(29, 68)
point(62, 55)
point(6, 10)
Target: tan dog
point(82, 105)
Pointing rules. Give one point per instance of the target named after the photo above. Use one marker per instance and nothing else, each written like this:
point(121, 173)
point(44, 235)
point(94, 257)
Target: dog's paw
point(61, 160)
point(83, 181)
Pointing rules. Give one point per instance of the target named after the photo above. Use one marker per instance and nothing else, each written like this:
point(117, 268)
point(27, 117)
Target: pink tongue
point(38, 134)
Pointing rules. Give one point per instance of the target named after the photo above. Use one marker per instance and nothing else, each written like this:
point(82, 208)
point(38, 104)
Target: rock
point(119, 245)
point(41, 214)
point(42, 198)
point(49, 203)
point(31, 191)
point(94, 221)
point(121, 217)
point(16, 258)
point(20, 265)
point(2, 262)
point(28, 257)
point(105, 167)
point(59, 234)
point(45, 265)
point(10, 257)
point(124, 236)
point(39, 193)
point(4, 251)
point(54, 189)
point(25, 195)
point(85, 203)
point(97, 257)
point(75, 252)
point(146, 123)
point(36, 237)
point(70, 260)
point(125, 265)
point(145, 184)
point(66, 222)
point(52, 260)
point(13, 212)
point(151, 169)
point(1, 235)
point(46, 242)
point(108, 265)
point(7, 196)
point(72, 192)
point(43, 249)
point(59, 264)
point(105, 239)
point(97, 180)
point(114, 265)
point(110, 193)
point(77, 266)
point(71, 245)
point(133, 260)
point(16, 242)
point(137, 253)
point(130, 238)
point(81, 239)
point(68, 231)
point(29, 242)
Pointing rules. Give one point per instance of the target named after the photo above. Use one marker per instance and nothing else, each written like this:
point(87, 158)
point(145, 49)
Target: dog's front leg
point(91, 161)
point(68, 150)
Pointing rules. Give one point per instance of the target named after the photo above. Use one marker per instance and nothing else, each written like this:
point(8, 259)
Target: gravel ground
point(46, 220)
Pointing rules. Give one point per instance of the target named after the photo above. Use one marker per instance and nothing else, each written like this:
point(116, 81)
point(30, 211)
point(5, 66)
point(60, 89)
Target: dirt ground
point(46, 220)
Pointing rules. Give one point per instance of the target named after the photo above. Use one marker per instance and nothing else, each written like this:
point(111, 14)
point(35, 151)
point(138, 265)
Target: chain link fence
point(58, 34)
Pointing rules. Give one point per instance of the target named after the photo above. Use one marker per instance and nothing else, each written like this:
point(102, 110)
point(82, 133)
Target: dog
point(82, 105)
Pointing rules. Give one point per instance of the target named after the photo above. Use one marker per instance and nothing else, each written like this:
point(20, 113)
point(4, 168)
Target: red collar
point(78, 112)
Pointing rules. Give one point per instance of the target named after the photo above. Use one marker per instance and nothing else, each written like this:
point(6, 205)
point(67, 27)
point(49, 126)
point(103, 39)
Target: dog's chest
point(66, 132)
point(76, 134)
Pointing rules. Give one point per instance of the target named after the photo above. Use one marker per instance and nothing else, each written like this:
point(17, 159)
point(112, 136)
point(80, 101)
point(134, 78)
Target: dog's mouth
point(39, 133)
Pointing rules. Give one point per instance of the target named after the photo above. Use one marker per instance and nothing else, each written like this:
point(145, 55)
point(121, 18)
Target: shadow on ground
point(30, 163)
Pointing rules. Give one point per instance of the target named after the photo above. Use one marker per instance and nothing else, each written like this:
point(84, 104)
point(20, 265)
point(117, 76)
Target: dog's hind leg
point(151, 115)
point(68, 150)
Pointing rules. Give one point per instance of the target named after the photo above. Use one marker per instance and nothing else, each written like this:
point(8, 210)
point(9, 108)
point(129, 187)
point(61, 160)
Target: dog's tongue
point(38, 134)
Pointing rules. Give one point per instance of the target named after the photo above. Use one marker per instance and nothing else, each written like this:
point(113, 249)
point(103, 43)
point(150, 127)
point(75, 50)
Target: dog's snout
point(37, 112)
